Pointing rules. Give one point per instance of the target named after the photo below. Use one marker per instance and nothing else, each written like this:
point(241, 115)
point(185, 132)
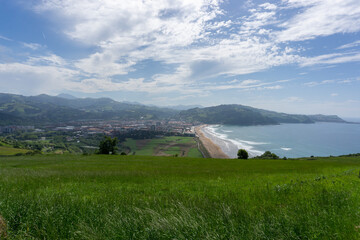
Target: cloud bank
point(192, 41)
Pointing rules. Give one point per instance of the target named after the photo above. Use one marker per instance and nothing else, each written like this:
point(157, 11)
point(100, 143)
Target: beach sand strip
point(213, 149)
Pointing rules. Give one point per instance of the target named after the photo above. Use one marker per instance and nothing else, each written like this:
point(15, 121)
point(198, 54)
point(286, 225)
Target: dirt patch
point(159, 150)
point(162, 154)
point(3, 228)
point(142, 143)
point(183, 151)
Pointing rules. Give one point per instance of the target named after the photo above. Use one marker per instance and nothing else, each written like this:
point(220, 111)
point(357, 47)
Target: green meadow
point(7, 150)
point(139, 197)
point(164, 146)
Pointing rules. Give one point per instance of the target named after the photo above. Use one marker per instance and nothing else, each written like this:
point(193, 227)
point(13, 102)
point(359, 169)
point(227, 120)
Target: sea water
point(287, 140)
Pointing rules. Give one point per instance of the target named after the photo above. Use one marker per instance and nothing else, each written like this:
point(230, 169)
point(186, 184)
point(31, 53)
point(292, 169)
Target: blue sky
point(294, 56)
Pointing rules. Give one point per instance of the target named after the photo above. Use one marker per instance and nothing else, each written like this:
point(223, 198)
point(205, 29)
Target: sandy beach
point(213, 149)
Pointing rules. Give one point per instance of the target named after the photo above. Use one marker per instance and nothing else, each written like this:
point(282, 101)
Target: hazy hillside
point(244, 115)
point(7, 119)
point(226, 114)
point(184, 107)
point(36, 110)
point(16, 109)
point(326, 118)
point(66, 96)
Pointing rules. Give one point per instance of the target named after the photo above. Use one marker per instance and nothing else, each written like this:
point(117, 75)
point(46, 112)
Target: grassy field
point(6, 151)
point(136, 197)
point(165, 146)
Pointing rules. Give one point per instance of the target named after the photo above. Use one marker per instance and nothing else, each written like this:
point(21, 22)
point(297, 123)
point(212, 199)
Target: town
point(84, 136)
point(114, 127)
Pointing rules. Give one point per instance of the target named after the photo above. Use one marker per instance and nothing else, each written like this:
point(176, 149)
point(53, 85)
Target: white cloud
point(334, 94)
point(333, 58)
point(250, 84)
point(181, 32)
point(350, 45)
point(191, 38)
point(293, 99)
point(127, 32)
point(129, 21)
point(25, 78)
point(268, 6)
point(104, 65)
point(172, 32)
point(345, 81)
point(313, 84)
point(5, 38)
point(276, 87)
point(320, 18)
point(47, 60)
point(32, 46)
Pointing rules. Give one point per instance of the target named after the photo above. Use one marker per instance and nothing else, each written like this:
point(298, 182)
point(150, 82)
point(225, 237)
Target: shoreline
point(213, 150)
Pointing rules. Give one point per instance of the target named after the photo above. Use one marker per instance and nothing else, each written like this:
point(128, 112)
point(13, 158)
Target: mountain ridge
point(46, 109)
point(235, 114)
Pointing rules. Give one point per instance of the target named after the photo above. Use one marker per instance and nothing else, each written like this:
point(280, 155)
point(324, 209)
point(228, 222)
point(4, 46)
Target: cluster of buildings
point(11, 129)
point(113, 127)
point(122, 127)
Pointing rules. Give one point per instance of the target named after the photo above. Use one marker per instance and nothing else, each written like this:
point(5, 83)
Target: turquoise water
point(290, 140)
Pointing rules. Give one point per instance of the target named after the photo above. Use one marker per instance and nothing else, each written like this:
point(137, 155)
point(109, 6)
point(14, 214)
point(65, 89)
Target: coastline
point(227, 145)
point(320, 139)
point(213, 150)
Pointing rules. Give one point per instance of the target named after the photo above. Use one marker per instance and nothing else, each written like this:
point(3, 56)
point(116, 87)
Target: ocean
point(287, 140)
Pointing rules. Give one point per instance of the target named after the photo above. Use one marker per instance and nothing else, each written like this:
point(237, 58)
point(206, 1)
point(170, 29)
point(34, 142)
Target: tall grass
point(133, 197)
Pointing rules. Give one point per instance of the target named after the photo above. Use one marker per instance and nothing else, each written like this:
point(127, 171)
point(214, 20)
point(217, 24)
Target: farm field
point(136, 197)
point(165, 146)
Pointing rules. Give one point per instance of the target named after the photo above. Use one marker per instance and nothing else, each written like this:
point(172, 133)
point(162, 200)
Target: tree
point(268, 155)
point(242, 154)
point(108, 145)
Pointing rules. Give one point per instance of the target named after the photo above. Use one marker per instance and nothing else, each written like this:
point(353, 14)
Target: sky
point(293, 56)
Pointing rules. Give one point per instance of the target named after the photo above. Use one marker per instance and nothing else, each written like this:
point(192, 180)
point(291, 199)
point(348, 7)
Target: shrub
point(242, 154)
point(268, 155)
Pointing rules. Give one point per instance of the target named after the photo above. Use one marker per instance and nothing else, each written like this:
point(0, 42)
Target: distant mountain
point(7, 119)
point(247, 116)
point(136, 103)
point(66, 96)
point(42, 109)
point(226, 114)
point(184, 107)
point(326, 118)
point(45, 109)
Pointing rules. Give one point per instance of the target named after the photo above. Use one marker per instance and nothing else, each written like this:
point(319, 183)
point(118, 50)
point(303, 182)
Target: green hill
point(246, 116)
point(134, 197)
point(226, 114)
point(42, 109)
point(326, 118)
point(7, 151)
